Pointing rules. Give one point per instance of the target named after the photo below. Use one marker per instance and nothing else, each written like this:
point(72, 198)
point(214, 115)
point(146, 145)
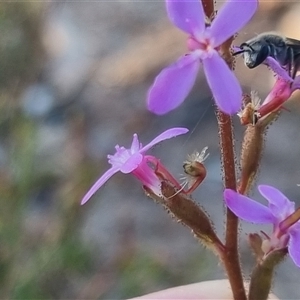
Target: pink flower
point(174, 83)
point(280, 213)
point(134, 161)
point(280, 93)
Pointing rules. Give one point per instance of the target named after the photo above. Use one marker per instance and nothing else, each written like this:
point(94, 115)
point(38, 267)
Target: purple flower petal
point(279, 204)
point(296, 83)
point(247, 209)
point(187, 15)
point(99, 183)
point(135, 145)
point(294, 249)
point(231, 18)
point(168, 134)
point(224, 85)
point(173, 84)
point(278, 69)
point(132, 163)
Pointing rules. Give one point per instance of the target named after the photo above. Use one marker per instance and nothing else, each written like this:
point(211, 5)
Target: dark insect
point(285, 51)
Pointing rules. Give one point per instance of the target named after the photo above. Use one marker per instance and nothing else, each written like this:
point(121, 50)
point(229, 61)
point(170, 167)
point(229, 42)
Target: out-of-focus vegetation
point(42, 255)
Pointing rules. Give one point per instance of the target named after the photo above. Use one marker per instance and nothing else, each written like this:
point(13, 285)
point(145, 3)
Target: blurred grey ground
point(73, 85)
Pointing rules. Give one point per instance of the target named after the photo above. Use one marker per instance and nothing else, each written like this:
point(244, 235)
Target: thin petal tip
point(179, 130)
point(155, 104)
point(84, 200)
point(228, 193)
point(156, 108)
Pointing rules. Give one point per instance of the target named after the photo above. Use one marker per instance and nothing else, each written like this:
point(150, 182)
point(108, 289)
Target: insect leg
point(290, 65)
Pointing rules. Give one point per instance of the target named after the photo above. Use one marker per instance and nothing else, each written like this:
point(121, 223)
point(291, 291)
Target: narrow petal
point(187, 15)
point(231, 18)
point(294, 249)
point(247, 209)
point(99, 183)
point(224, 85)
point(172, 85)
point(135, 145)
point(279, 204)
point(278, 69)
point(168, 134)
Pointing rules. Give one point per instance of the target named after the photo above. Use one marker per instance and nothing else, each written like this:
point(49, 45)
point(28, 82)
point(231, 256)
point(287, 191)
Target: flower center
point(120, 157)
point(274, 243)
point(204, 44)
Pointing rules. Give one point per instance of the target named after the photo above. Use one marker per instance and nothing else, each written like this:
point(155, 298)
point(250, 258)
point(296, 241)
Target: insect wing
point(294, 44)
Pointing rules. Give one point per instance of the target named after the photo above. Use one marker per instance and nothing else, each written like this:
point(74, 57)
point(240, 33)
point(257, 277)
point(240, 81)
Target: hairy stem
point(262, 275)
point(231, 256)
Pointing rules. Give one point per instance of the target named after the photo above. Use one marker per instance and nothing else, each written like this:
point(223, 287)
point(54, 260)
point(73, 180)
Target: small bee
point(285, 51)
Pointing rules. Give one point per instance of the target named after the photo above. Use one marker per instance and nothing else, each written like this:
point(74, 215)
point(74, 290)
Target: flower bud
point(255, 242)
point(250, 157)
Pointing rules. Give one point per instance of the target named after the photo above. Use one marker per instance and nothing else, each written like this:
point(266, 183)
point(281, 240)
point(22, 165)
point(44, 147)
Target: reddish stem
point(208, 6)
point(231, 257)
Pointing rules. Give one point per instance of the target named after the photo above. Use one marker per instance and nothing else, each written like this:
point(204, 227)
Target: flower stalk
point(208, 7)
point(262, 276)
point(230, 257)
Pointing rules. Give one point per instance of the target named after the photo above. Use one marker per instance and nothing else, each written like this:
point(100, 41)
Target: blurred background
point(74, 77)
